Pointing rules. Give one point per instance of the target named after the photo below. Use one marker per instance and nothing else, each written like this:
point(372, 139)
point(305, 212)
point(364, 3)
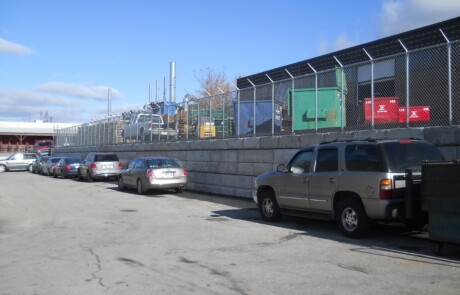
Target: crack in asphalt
point(98, 266)
point(234, 284)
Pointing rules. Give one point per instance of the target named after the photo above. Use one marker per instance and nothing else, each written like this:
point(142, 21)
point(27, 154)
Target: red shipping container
point(418, 113)
point(386, 110)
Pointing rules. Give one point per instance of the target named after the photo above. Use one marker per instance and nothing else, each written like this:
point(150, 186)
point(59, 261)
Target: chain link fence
point(413, 89)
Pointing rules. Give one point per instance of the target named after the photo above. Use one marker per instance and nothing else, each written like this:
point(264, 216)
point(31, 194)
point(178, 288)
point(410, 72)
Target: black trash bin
point(441, 198)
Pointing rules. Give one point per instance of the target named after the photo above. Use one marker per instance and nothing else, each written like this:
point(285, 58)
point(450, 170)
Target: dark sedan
point(48, 168)
point(67, 167)
point(38, 164)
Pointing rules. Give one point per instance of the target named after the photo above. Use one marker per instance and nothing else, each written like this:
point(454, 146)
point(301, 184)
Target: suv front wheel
point(352, 220)
point(268, 207)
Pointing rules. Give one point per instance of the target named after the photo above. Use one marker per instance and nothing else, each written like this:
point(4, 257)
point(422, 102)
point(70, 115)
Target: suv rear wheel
point(352, 220)
point(268, 206)
point(88, 177)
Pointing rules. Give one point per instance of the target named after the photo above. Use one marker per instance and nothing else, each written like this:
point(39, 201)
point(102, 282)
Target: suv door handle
point(331, 180)
point(304, 180)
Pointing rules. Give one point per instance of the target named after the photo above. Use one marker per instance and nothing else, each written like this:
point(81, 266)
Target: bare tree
point(212, 85)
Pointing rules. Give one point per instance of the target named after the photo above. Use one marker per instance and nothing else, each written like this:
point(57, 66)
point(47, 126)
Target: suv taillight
point(150, 173)
point(150, 125)
point(93, 166)
point(386, 192)
point(185, 173)
point(67, 167)
point(120, 165)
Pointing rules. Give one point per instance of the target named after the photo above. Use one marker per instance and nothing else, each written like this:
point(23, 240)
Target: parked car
point(38, 163)
point(44, 147)
point(48, 168)
point(67, 167)
point(149, 173)
point(99, 166)
point(352, 182)
point(18, 161)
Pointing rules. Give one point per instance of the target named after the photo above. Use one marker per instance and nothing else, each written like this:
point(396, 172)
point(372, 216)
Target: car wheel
point(140, 187)
point(63, 175)
point(352, 220)
point(179, 189)
point(80, 177)
point(88, 177)
point(30, 168)
point(54, 174)
point(121, 185)
point(2, 168)
point(268, 206)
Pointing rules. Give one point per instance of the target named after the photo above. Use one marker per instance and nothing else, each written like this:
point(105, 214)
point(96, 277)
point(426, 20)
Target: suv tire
point(88, 177)
point(352, 219)
point(268, 206)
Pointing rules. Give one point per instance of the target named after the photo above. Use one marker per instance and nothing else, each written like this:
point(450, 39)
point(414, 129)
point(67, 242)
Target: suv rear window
point(402, 155)
point(363, 157)
point(106, 158)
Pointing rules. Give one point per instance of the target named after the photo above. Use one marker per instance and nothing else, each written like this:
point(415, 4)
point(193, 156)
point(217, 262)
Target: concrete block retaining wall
point(228, 166)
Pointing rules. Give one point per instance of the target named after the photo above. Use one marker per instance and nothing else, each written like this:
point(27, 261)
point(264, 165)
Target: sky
point(59, 58)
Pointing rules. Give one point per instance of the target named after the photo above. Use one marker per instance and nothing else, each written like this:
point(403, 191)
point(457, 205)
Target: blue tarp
point(263, 116)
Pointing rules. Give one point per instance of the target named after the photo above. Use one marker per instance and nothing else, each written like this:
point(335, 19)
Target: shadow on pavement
point(392, 240)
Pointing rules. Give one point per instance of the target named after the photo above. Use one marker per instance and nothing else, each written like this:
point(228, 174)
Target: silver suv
point(352, 182)
point(18, 161)
point(99, 166)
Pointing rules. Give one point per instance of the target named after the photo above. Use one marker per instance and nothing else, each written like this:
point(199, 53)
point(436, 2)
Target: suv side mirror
point(282, 168)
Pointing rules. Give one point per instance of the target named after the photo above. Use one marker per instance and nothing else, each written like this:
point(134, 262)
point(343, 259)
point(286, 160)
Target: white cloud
point(405, 15)
point(18, 104)
point(322, 46)
point(80, 91)
point(341, 42)
point(8, 47)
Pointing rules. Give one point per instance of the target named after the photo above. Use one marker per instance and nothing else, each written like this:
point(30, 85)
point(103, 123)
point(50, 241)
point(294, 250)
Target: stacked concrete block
point(229, 166)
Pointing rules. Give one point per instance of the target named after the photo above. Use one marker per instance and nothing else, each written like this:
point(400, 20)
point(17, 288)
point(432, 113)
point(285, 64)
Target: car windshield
point(106, 158)
point(162, 163)
point(10, 157)
point(149, 118)
point(45, 144)
point(402, 155)
point(55, 160)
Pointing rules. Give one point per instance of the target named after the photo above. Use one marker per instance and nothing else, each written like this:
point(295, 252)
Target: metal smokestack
point(109, 104)
point(157, 92)
point(172, 92)
point(150, 93)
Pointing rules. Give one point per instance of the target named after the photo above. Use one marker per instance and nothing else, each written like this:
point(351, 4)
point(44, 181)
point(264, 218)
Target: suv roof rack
point(369, 139)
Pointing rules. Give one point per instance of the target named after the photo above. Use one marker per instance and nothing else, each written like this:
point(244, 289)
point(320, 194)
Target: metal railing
point(418, 88)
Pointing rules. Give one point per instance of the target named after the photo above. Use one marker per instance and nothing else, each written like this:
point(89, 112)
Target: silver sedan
point(150, 173)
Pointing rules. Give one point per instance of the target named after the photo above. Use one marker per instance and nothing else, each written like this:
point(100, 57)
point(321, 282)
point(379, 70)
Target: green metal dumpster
point(329, 107)
point(441, 198)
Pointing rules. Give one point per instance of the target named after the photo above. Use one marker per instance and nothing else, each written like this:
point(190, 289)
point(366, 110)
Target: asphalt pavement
point(63, 236)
